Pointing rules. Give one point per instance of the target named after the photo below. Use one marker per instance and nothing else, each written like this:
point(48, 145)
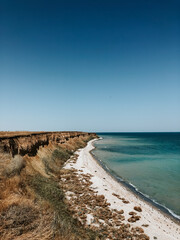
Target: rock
point(139, 229)
point(132, 213)
point(145, 225)
point(134, 218)
point(144, 236)
point(138, 209)
point(121, 211)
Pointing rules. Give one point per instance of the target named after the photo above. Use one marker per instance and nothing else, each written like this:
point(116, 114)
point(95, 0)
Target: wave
point(154, 201)
point(145, 196)
point(134, 189)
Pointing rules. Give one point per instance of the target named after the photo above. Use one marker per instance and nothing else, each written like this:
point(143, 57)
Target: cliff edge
point(28, 143)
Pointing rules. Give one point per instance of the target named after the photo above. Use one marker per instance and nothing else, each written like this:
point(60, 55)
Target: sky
point(90, 65)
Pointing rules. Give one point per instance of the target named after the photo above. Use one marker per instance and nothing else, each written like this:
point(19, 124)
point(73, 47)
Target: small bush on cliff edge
point(54, 162)
point(15, 166)
point(60, 154)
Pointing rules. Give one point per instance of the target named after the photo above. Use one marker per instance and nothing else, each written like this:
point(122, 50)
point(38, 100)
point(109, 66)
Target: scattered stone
point(134, 218)
point(138, 209)
point(145, 225)
point(139, 229)
point(132, 213)
point(143, 236)
point(121, 211)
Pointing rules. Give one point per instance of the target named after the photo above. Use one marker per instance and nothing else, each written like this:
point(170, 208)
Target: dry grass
point(15, 166)
point(4, 134)
point(26, 219)
point(5, 159)
point(32, 202)
point(16, 133)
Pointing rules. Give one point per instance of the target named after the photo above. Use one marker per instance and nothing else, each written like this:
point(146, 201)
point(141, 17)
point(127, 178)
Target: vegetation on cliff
point(32, 202)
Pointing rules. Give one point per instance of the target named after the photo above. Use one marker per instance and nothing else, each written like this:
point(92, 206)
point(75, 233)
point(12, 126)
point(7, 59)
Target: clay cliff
point(29, 143)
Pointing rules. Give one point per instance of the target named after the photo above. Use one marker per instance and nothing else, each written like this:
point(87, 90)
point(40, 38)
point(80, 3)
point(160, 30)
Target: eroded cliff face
point(30, 143)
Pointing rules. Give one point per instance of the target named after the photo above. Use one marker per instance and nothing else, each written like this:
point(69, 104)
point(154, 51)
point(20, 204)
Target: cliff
point(29, 143)
point(33, 203)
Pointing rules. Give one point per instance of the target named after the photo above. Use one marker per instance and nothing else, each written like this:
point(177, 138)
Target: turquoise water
point(148, 161)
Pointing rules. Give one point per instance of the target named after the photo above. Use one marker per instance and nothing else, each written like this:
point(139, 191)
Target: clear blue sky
point(90, 65)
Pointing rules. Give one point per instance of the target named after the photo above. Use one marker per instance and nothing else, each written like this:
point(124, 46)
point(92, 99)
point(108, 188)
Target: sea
point(147, 163)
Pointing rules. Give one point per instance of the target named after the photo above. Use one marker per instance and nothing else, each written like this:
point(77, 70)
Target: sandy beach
point(155, 224)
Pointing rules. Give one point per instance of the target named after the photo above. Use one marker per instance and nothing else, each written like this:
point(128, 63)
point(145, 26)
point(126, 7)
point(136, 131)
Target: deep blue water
point(149, 161)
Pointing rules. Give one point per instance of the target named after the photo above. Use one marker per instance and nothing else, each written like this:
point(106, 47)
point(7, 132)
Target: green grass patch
point(54, 162)
point(60, 154)
point(50, 191)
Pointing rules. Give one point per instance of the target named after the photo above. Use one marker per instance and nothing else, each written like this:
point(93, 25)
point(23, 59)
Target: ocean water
point(148, 161)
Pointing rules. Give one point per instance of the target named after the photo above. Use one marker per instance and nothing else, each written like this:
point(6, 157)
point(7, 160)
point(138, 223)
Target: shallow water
point(149, 161)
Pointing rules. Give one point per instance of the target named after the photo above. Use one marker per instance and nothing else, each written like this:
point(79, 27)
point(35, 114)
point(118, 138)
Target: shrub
point(60, 154)
point(15, 166)
point(49, 169)
point(54, 162)
point(47, 189)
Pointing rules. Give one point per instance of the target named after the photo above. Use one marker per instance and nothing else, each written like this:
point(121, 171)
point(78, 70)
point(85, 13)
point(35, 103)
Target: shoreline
point(156, 225)
point(130, 187)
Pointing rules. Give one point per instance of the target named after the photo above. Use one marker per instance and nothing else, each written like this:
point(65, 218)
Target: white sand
point(160, 226)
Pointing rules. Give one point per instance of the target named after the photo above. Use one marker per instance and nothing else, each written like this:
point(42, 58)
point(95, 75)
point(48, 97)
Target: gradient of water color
point(149, 161)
